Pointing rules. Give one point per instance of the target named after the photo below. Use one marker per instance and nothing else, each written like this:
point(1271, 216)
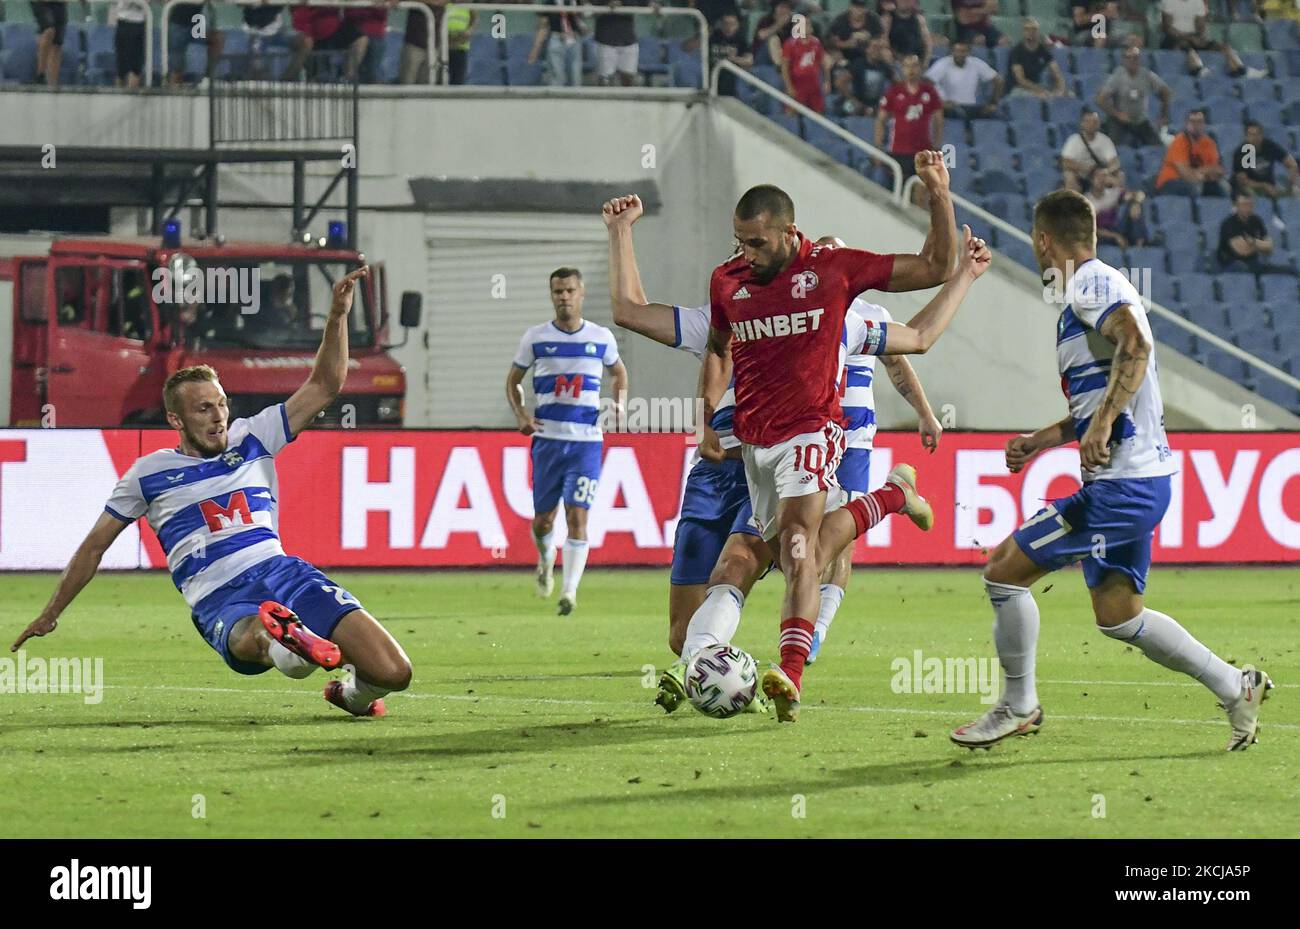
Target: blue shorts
point(854, 472)
point(1108, 523)
point(564, 469)
point(715, 504)
point(318, 601)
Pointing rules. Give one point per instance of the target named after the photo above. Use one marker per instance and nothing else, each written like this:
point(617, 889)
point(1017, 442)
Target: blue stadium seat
point(1040, 180)
point(1212, 212)
point(1291, 113)
point(1237, 287)
point(1000, 182)
point(686, 72)
point(1184, 257)
point(1267, 112)
point(1147, 256)
point(1261, 342)
point(1171, 335)
point(989, 134)
point(1011, 207)
point(18, 57)
point(1292, 62)
point(1181, 87)
point(1130, 159)
point(1113, 255)
point(1032, 136)
point(1281, 35)
point(820, 137)
point(653, 55)
point(1279, 289)
point(1087, 86)
point(1019, 252)
point(1172, 212)
point(1168, 62)
point(483, 46)
point(516, 48)
point(768, 75)
point(485, 72)
point(1091, 61)
point(1253, 91)
point(1064, 110)
point(1001, 56)
point(1164, 290)
point(1207, 315)
point(1226, 111)
point(1021, 109)
point(864, 127)
point(789, 123)
point(1282, 394)
point(519, 73)
point(1195, 287)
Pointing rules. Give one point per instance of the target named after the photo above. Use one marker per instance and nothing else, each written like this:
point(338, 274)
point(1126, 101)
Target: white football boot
point(1243, 713)
point(997, 724)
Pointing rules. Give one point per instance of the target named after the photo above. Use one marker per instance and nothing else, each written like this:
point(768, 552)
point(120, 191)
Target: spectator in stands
point(912, 110)
point(877, 70)
point(844, 101)
point(1087, 25)
point(128, 42)
point(562, 34)
point(958, 78)
point(1124, 99)
point(907, 31)
point(806, 70)
point(1254, 167)
point(1132, 227)
point(189, 24)
point(714, 10)
point(1281, 9)
point(371, 22)
point(322, 29)
point(850, 34)
point(727, 42)
point(413, 67)
point(265, 26)
point(773, 29)
point(1244, 242)
point(973, 23)
point(1105, 192)
point(1029, 61)
point(51, 23)
point(617, 51)
point(1192, 167)
point(1182, 25)
point(1087, 152)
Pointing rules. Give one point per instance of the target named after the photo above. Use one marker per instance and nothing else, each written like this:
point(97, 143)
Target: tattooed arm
point(908, 385)
point(1127, 369)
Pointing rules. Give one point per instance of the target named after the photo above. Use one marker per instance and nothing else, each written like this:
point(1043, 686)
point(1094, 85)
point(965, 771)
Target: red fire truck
point(100, 323)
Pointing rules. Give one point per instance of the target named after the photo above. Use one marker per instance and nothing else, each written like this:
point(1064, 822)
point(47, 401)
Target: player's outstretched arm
point(82, 567)
point(905, 381)
point(331, 368)
point(924, 329)
point(1021, 449)
point(632, 309)
point(618, 385)
point(925, 270)
point(1127, 371)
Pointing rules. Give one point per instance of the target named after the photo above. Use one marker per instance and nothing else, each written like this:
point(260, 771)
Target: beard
point(209, 446)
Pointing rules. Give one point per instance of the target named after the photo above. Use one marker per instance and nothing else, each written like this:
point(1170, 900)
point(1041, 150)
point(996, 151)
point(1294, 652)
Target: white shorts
point(802, 465)
point(620, 58)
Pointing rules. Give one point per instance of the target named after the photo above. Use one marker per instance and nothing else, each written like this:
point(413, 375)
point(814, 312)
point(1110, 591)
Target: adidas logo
point(742, 294)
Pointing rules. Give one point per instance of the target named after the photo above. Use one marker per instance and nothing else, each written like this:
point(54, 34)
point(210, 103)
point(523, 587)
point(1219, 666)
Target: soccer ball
point(721, 680)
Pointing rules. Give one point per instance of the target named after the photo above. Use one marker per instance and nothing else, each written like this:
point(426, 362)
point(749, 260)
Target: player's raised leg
point(380, 666)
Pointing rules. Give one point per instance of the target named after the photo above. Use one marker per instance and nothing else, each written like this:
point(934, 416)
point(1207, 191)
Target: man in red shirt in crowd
point(913, 111)
point(806, 69)
point(778, 310)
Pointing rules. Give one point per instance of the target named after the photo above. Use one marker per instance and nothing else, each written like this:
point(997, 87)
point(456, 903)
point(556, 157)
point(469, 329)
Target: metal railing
point(896, 191)
point(409, 5)
point(1161, 311)
point(580, 11)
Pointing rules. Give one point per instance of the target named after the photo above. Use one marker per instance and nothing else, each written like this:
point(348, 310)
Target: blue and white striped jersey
point(1139, 446)
point(215, 517)
point(859, 400)
point(567, 368)
point(693, 336)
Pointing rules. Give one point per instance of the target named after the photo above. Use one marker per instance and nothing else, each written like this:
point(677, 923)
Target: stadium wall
point(419, 498)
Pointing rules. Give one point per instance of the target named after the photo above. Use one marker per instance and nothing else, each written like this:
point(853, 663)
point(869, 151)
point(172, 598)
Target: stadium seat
point(1130, 160)
point(1024, 109)
point(1261, 342)
point(1281, 34)
point(485, 72)
point(18, 55)
point(1185, 260)
point(768, 75)
point(1040, 180)
point(792, 124)
point(1282, 394)
point(1169, 334)
point(1032, 136)
point(687, 72)
point(1268, 113)
point(1212, 212)
point(1019, 252)
point(1181, 87)
point(1279, 289)
point(1088, 85)
point(1064, 110)
point(519, 73)
point(861, 126)
point(1092, 61)
point(1011, 207)
point(1237, 287)
point(1225, 111)
point(1168, 62)
point(989, 135)
point(1195, 287)
point(516, 48)
point(487, 48)
point(1147, 256)
point(653, 56)
point(1207, 315)
point(1246, 37)
point(999, 182)
point(1164, 290)
point(1113, 255)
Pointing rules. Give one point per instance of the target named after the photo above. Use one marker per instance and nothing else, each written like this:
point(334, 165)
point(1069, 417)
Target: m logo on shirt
point(568, 385)
point(234, 513)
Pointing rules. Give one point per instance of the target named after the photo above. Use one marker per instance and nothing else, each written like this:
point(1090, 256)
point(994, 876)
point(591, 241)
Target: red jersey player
point(914, 111)
point(806, 71)
point(780, 307)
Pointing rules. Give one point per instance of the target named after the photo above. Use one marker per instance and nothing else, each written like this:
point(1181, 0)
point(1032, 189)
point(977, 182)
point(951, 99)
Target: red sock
point(875, 506)
point(796, 641)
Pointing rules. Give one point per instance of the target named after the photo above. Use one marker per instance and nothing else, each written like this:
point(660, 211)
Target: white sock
point(359, 694)
point(716, 621)
point(575, 560)
point(1165, 642)
point(289, 664)
point(832, 597)
point(545, 550)
point(1015, 635)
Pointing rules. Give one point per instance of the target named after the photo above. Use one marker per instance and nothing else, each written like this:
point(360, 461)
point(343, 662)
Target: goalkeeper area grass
point(522, 723)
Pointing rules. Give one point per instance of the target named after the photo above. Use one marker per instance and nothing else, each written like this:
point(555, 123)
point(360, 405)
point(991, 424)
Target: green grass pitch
point(521, 723)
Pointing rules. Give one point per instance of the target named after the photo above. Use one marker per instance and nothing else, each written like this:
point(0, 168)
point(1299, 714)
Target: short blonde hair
point(192, 374)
